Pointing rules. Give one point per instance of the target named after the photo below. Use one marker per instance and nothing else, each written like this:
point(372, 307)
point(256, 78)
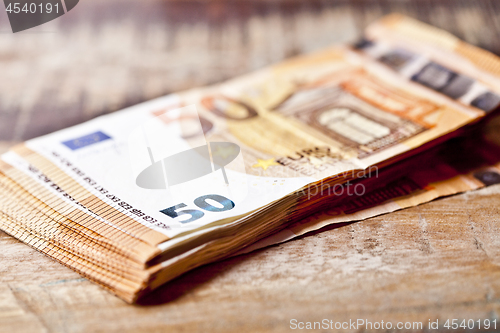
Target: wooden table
point(436, 261)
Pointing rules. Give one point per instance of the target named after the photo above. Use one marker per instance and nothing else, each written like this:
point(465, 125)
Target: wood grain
point(436, 261)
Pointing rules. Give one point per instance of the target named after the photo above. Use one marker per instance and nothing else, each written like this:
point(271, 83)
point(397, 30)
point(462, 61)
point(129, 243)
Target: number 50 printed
point(209, 203)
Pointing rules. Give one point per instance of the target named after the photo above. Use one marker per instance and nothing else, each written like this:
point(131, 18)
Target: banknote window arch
point(360, 112)
point(352, 125)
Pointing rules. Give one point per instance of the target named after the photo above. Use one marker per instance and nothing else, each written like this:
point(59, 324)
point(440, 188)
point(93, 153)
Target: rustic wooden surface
point(436, 261)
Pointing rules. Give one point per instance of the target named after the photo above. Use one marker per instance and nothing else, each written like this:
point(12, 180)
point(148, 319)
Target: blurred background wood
point(436, 261)
point(106, 55)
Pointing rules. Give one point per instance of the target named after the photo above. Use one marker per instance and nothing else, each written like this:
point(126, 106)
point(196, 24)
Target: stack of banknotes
point(136, 198)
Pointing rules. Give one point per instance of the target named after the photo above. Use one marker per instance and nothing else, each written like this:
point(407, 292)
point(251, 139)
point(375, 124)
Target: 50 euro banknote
point(477, 166)
point(183, 180)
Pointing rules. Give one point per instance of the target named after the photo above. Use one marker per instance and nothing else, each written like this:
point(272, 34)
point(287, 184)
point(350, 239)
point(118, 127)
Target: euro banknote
point(138, 197)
